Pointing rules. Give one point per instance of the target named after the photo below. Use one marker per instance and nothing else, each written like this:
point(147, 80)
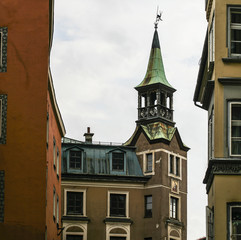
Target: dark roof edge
point(201, 68)
point(104, 178)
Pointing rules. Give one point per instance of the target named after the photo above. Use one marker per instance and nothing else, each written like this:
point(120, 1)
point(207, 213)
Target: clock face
point(175, 186)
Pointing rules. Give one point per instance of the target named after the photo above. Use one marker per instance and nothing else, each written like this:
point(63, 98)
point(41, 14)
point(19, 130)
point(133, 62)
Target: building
point(137, 190)
point(218, 91)
point(31, 127)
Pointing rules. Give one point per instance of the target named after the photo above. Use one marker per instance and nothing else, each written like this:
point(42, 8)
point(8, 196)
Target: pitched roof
point(157, 131)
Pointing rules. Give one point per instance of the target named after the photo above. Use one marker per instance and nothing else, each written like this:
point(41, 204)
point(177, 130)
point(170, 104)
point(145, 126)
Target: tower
point(161, 153)
point(155, 94)
point(218, 91)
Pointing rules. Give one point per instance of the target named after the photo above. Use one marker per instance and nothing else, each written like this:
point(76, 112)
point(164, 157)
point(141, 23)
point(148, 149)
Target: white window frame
point(230, 127)
point(123, 226)
point(211, 36)
point(82, 226)
point(57, 167)
point(54, 152)
point(180, 165)
point(84, 201)
point(145, 172)
point(230, 219)
point(232, 26)
point(127, 204)
point(57, 210)
point(54, 207)
point(178, 211)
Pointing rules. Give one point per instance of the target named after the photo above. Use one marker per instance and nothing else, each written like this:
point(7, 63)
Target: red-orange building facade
point(31, 126)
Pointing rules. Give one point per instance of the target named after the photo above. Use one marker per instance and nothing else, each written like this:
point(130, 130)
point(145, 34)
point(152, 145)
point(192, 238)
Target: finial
point(158, 18)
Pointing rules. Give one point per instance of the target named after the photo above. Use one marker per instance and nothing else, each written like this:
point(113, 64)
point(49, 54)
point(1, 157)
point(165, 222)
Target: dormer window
point(75, 160)
point(117, 161)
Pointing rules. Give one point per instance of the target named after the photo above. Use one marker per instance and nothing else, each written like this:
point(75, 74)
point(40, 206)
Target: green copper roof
point(155, 71)
point(159, 130)
point(155, 131)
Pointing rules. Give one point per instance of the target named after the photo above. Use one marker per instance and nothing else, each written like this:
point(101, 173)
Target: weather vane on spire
point(158, 18)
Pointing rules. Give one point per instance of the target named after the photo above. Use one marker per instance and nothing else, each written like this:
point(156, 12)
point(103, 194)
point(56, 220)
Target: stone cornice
point(224, 166)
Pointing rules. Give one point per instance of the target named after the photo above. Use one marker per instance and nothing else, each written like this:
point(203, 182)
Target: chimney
point(88, 136)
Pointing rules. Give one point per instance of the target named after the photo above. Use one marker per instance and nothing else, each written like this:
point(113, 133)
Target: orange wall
point(23, 157)
point(53, 181)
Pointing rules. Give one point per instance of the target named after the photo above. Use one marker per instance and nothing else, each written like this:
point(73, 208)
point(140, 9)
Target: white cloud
point(100, 53)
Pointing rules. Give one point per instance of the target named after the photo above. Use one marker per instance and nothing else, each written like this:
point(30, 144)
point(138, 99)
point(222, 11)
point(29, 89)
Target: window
point(57, 214)
point(174, 207)
point(54, 204)
point(54, 153)
point(149, 162)
point(75, 160)
point(211, 42)
point(211, 135)
point(210, 223)
point(3, 118)
point(234, 35)
point(3, 49)
point(57, 162)
point(117, 161)
point(148, 206)
point(75, 203)
point(2, 174)
point(47, 131)
point(118, 204)
point(235, 129)
point(149, 238)
point(74, 237)
point(234, 221)
point(174, 166)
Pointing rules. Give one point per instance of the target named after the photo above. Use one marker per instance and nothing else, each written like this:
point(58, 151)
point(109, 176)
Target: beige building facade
point(218, 90)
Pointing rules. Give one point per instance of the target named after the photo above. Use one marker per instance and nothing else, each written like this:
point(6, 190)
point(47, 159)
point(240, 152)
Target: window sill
point(232, 60)
point(174, 221)
point(76, 218)
point(122, 220)
point(148, 216)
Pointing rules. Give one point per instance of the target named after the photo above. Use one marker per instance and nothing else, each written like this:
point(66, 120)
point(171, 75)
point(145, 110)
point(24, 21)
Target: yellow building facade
point(218, 90)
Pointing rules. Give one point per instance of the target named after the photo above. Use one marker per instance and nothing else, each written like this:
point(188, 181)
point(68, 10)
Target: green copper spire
point(155, 71)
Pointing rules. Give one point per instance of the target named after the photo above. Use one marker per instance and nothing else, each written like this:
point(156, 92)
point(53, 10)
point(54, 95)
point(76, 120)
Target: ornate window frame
point(3, 118)
point(3, 48)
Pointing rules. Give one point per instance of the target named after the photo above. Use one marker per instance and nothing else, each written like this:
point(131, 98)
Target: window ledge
point(232, 60)
point(76, 218)
point(123, 220)
point(175, 222)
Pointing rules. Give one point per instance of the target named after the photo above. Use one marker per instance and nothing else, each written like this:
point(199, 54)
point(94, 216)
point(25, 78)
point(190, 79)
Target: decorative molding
point(3, 51)
point(231, 60)
point(230, 80)
point(221, 167)
point(3, 120)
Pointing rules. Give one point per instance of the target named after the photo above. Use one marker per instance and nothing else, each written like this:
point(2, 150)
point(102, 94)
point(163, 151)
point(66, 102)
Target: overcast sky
point(100, 53)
